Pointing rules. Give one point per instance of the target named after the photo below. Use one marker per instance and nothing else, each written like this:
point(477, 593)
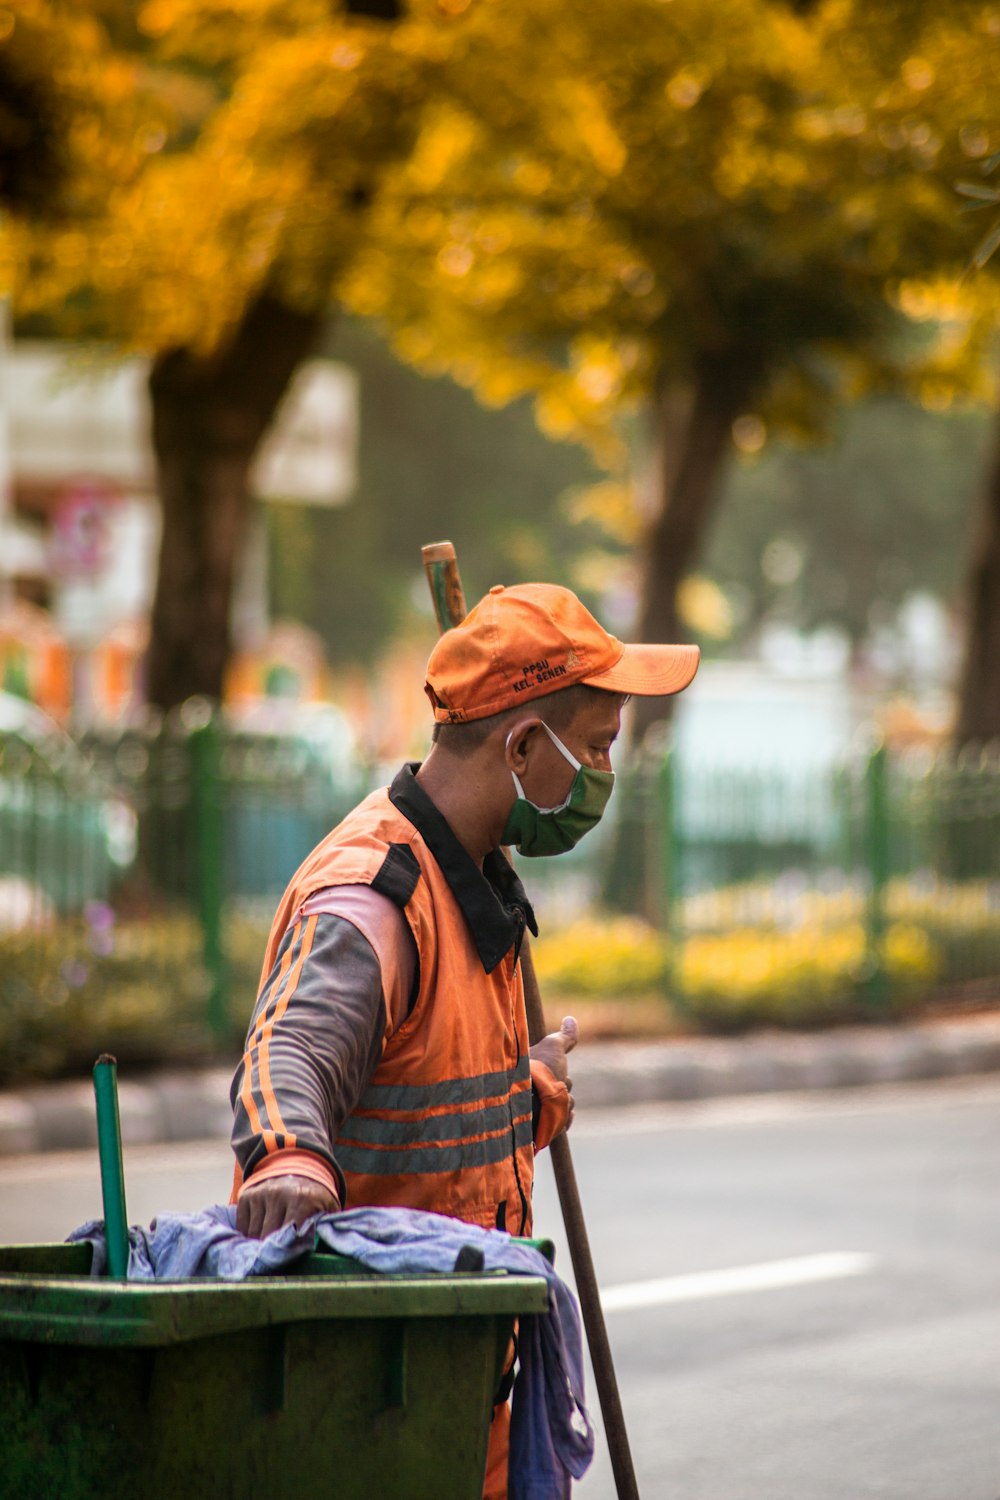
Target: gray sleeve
point(313, 1044)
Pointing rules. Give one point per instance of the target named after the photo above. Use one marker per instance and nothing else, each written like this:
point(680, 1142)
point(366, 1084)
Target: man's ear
point(518, 739)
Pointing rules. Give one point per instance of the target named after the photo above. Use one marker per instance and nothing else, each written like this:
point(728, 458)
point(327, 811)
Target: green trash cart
point(328, 1382)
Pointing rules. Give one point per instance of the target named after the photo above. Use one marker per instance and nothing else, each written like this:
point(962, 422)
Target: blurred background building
point(79, 534)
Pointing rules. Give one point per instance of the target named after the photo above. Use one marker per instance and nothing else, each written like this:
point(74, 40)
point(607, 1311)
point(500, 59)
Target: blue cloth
point(551, 1437)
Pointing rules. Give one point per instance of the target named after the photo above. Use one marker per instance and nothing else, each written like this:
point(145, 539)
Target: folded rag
point(551, 1438)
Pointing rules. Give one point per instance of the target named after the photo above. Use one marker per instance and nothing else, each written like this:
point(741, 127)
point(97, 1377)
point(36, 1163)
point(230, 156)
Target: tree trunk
point(690, 460)
point(209, 414)
point(979, 692)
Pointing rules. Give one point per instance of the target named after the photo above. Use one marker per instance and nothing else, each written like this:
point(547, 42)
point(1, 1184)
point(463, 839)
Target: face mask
point(553, 830)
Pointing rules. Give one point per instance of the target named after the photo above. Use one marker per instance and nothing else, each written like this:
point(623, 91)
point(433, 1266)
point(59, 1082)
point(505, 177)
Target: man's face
point(545, 774)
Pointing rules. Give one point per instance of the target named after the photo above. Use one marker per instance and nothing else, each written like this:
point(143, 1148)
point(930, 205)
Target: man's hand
point(552, 1050)
point(265, 1206)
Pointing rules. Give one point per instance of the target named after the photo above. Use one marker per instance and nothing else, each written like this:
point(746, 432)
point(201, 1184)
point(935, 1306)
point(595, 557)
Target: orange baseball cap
point(520, 643)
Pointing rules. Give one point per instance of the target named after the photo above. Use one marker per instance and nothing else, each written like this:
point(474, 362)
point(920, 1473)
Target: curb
point(162, 1110)
point(779, 1062)
point(172, 1107)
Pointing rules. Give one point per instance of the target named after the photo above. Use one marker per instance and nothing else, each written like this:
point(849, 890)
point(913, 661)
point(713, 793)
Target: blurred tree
point(66, 111)
point(32, 128)
point(697, 209)
point(831, 534)
point(209, 228)
point(319, 101)
point(836, 533)
point(983, 195)
point(979, 685)
point(432, 462)
point(714, 222)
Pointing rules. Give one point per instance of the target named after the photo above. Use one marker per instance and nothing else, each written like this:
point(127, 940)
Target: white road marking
point(768, 1276)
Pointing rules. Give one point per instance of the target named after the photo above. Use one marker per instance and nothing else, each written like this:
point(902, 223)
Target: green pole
point(671, 873)
point(877, 851)
point(109, 1147)
point(206, 758)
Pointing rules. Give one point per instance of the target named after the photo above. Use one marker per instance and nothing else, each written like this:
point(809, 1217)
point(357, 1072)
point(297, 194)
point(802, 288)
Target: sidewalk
point(174, 1106)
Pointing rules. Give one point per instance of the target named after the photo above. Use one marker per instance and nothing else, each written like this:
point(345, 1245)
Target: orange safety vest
point(445, 1123)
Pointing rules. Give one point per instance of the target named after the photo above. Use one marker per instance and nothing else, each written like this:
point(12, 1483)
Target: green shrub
point(137, 989)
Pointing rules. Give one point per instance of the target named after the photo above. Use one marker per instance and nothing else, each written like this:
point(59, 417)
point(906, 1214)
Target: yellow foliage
point(595, 571)
point(702, 158)
point(602, 957)
point(526, 197)
point(586, 120)
point(442, 146)
point(811, 977)
point(746, 975)
point(191, 197)
point(611, 505)
point(704, 608)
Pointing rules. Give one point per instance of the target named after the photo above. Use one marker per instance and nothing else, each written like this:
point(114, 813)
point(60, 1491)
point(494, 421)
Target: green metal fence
point(881, 872)
point(139, 871)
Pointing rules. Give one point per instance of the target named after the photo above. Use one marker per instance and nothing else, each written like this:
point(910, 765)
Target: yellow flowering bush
point(744, 977)
point(74, 987)
point(753, 976)
point(909, 954)
point(602, 956)
point(959, 919)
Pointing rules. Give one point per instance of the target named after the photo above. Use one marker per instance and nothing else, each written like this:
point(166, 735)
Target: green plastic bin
point(328, 1382)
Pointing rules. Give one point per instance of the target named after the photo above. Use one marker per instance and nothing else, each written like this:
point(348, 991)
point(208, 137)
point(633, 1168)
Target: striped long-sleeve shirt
point(341, 983)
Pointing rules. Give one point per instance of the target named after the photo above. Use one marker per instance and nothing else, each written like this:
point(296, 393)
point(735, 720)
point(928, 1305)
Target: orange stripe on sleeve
point(263, 1064)
point(246, 1093)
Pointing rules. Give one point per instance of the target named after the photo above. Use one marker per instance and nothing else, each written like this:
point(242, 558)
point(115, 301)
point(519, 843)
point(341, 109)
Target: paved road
point(850, 1350)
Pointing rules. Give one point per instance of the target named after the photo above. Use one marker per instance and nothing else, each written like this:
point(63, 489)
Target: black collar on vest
point(492, 899)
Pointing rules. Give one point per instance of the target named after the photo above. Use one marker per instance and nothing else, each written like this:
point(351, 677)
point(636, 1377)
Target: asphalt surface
point(802, 1289)
point(880, 1384)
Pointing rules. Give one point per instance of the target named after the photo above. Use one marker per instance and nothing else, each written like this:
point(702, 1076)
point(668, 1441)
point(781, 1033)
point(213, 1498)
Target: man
point(387, 1062)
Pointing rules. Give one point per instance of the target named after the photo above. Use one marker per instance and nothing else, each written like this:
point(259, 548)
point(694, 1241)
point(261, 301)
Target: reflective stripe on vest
point(423, 1160)
point(468, 1137)
point(413, 1096)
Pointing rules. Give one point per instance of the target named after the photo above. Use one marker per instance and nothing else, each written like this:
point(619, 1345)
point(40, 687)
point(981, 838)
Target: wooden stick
point(441, 566)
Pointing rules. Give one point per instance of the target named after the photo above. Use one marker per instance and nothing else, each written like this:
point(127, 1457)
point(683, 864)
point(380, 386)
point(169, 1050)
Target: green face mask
point(553, 830)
